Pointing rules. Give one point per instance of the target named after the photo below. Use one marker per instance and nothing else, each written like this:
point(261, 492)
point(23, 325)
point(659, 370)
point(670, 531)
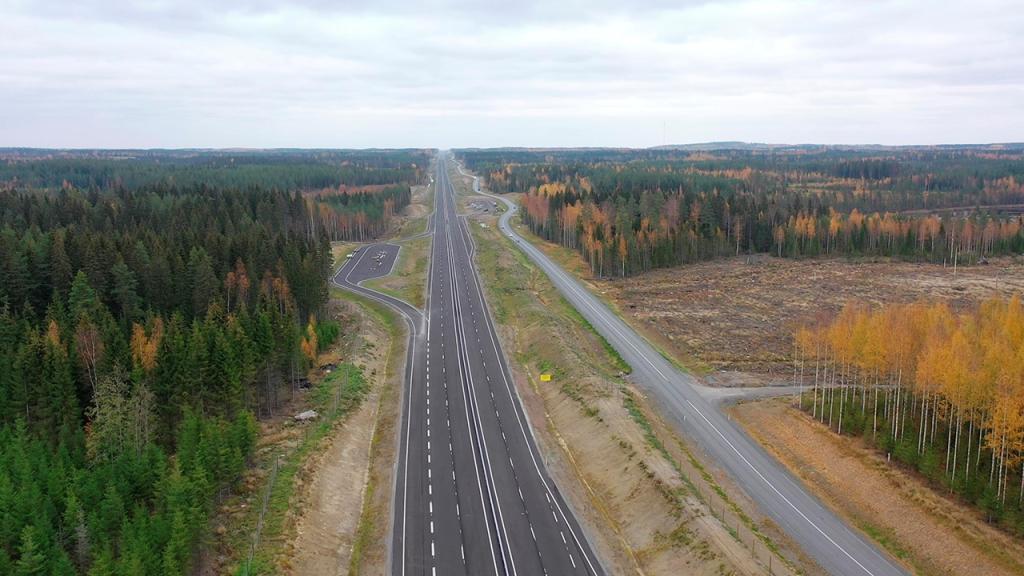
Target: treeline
point(626, 217)
point(140, 331)
point(870, 179)
point(941, 392)
point(280, 169)
point(359, 214)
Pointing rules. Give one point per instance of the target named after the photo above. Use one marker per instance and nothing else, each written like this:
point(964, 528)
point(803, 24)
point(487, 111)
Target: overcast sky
point(397, 73)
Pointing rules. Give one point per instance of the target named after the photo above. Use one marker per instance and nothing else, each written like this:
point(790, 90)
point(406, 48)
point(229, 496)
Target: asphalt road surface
point(825, 537)
point(472, 495)
point(373, 261)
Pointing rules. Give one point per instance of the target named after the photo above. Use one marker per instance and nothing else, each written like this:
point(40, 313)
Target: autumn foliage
point(627, 212)
point(939, 390)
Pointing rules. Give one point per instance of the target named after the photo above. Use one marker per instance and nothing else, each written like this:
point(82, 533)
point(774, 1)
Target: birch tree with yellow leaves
point(937, 390)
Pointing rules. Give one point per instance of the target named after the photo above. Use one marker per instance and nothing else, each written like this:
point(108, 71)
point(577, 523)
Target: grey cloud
point(394, 73)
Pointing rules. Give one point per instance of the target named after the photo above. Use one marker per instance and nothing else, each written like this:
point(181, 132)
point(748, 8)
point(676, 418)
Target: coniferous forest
point(628, 211)
point(152, 307)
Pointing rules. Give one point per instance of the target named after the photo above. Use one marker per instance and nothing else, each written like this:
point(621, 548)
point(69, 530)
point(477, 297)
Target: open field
point(733, 317)
point(739, 313)
point(927, 530)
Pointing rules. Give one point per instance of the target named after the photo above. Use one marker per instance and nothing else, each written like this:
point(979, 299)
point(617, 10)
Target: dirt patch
point(932, 533)
point(739, 313)
point(412, 220)
point(371, 546)
point(331, 496)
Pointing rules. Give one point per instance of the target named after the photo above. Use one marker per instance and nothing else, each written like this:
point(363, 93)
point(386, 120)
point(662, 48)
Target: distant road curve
point(781, 496)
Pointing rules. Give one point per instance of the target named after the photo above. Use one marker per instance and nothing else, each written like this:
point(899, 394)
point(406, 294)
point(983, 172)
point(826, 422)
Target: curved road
point(472, 495)
point(781, 496)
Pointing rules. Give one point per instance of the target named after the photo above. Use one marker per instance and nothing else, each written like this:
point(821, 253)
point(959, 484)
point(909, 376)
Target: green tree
point(203, 282)
point(31, 558)
point(124, 290)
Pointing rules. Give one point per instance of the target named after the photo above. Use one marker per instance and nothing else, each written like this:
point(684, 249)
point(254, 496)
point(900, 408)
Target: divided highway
point(819, 532)
point(472, 495)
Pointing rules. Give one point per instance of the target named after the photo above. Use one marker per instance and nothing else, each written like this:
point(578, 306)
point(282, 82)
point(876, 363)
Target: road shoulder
point(927, 531)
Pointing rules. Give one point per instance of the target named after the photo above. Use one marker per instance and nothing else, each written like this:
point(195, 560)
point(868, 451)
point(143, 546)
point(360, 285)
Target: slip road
point(472, 495)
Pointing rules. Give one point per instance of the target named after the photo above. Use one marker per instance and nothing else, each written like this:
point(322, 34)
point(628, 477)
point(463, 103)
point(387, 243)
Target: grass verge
point(374, 518)
point(334, 398)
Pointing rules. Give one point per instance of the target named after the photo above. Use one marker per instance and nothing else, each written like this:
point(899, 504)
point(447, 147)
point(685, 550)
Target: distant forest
point(359, 191)
point(628, 211)
point(151, 309)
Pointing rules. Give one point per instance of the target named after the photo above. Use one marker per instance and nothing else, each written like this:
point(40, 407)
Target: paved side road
point(372, 261)
point(826, 538)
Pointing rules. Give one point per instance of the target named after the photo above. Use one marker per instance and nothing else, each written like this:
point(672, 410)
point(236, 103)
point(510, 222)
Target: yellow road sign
point(545, 377)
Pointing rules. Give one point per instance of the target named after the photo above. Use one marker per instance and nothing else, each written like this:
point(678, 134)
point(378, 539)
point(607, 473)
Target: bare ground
point(930, 532)
point(738, 314)
point(330, 498)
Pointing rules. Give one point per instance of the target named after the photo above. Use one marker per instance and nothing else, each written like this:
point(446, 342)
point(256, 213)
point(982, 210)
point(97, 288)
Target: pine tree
point(31, 558)
point(202, 281)
point(175, 554)
point(124, 290)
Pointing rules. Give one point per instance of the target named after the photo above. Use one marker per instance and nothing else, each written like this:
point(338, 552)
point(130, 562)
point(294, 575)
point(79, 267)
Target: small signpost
point(545, 377)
